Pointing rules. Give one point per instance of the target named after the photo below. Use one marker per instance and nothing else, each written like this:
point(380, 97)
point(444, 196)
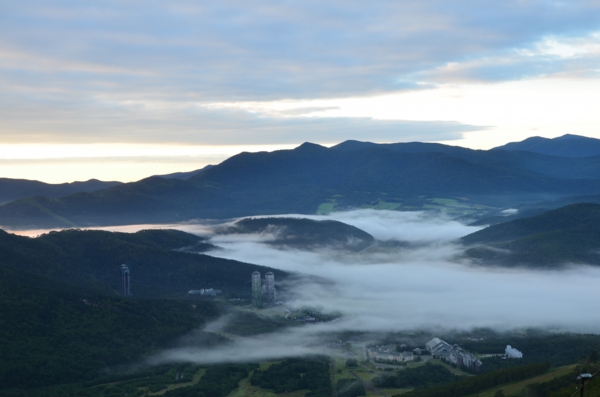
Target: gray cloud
point(131, 71)
point(424, 286)
point(192, 124)
point(234, 50)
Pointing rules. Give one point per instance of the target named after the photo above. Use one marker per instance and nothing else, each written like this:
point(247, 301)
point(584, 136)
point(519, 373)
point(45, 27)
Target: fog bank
point(416, 286)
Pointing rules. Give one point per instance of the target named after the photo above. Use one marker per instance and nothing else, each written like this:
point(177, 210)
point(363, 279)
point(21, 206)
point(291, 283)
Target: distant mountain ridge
point(303, 180)
point(567, 145)
point(185, 175)
point(13, 189)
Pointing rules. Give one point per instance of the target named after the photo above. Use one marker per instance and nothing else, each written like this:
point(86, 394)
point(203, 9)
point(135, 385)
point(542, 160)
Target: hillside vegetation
point(93, 258)
point(305, 233)
point(569, 234)
point(52, 332)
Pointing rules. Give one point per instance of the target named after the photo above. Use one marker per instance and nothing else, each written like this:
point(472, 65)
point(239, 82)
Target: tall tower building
point(269, 289)
point(125, 281)
point(256, 290)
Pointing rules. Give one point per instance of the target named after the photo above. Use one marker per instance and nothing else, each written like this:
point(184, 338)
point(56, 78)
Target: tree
point(499, 393)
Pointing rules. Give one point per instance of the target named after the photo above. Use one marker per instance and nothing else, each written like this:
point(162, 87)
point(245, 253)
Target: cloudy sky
point(125, 89)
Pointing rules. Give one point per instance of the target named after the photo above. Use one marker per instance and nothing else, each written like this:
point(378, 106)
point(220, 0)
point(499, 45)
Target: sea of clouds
point(422, 285)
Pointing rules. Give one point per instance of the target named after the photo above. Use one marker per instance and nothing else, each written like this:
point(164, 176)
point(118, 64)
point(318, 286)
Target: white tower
point(256, 290)
point(270, 289)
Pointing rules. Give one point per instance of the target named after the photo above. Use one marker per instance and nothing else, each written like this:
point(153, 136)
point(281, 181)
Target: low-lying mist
point(422, 285)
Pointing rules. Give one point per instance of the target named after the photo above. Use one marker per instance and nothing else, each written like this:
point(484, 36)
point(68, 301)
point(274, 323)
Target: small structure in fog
point(511, 352)
point(205, 292)
point(125, 281)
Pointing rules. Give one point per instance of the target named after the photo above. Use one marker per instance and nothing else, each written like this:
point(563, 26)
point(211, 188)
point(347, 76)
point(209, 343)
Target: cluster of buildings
point(453, 354)
point(205, 292)
point(263, 291)
point(389, 353)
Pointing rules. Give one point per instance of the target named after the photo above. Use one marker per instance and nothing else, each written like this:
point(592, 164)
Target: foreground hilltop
point(314, 178)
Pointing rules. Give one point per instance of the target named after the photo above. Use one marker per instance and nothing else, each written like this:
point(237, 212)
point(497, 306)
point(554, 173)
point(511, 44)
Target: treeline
point(294, 374)
point(419, 377)
point(475, 384)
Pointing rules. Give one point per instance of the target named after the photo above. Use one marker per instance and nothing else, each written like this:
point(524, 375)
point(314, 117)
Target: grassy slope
point(516, 388)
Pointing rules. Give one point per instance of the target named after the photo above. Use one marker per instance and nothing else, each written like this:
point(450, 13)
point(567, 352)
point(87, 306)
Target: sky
point(121, 90)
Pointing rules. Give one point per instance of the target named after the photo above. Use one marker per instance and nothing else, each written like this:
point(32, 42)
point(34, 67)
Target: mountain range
point(12, 189)
point(313, 178)
point(567, 145)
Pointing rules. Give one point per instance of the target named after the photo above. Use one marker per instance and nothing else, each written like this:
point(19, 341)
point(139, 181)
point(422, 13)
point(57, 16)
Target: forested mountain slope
point(304, 233)
point(350, 175)
point(569, 234)
point(13, 189)
point(52, 332)
point(93, 258)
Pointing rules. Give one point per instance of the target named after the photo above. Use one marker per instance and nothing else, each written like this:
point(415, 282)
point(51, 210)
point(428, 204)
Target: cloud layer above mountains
point(177, 72)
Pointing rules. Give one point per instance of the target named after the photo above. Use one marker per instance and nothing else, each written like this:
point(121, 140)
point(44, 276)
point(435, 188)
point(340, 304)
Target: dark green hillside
point(305, 233)
point(53, 333)
point(351, 174)
point(568, 234)
point(92, 258)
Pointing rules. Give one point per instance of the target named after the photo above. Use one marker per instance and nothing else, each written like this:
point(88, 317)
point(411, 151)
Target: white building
point(389, 353)
point(453, 354)
point(438, 347)
point(511, 352)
